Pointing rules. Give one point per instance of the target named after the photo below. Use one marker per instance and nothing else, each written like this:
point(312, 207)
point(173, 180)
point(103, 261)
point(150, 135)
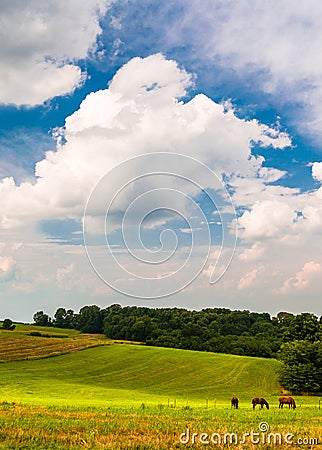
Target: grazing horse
point(260, 401)
point(287, 401)
point(234, 402)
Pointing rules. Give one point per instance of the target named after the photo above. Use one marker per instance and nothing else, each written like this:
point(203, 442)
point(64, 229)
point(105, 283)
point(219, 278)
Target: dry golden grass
point(32, 427)
point(16, 348)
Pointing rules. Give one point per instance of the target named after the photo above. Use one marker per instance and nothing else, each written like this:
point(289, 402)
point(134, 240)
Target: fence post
point(207, 404)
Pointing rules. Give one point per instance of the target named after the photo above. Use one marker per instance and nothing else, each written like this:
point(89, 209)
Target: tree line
point(294, 339)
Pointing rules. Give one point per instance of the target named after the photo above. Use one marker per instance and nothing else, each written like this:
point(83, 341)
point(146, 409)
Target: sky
point(160, 154)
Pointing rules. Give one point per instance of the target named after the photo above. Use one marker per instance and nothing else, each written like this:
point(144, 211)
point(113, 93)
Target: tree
point(211, 329)
point(7, 324)
point(304, 327)
point(284, 317)
point(41, 319)
point(71, 319)
point(64, 319)
point(141, 329)
point(90, 319)
point(302, 368)
point(60, 318)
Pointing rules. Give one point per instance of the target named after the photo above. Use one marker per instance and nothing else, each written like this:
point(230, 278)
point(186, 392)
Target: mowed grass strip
point(19, 345)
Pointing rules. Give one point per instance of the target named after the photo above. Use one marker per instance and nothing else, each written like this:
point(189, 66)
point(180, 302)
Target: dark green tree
point(7, 324)
point(211, 329)
point(302, 368)
point(60, 318)
point(64, 319)
point(71, 319)
point(141, 329)
point(42, 319)
point(90, 319)
point(284, 317)
point(305, 326)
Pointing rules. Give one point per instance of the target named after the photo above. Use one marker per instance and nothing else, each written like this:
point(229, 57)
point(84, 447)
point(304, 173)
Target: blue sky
point(232, 90)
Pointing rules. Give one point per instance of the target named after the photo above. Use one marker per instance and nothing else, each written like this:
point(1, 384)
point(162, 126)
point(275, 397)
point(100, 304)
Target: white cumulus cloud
point(140, 112)
point(40, 45)
point(267, 219)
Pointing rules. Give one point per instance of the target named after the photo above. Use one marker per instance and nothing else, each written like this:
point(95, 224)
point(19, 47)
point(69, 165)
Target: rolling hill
point(132, 374)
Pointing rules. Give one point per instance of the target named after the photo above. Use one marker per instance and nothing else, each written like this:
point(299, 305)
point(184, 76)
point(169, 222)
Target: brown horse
point(287, 401)
point(234, 402)
point(260, 401)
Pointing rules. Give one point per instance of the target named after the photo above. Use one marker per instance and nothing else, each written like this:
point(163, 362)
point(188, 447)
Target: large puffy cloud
point(264, 46)
point(280, 214)
point(147, 114)
point(267, 219)
point(40, 42)
point(138, 113)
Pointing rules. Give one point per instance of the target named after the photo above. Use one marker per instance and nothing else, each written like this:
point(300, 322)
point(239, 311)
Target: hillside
point(35, 342)
point(117, 396)
point(130, 374)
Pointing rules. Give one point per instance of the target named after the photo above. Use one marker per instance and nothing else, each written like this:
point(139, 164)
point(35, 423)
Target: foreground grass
point(31, 427)
point(139, 397)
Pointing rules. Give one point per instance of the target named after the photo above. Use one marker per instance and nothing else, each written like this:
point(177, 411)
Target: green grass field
point(138, 397)
point(128, 375)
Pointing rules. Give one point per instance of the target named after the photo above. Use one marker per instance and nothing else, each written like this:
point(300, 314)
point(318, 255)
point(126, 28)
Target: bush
point(7, 324)
point(37, 333)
